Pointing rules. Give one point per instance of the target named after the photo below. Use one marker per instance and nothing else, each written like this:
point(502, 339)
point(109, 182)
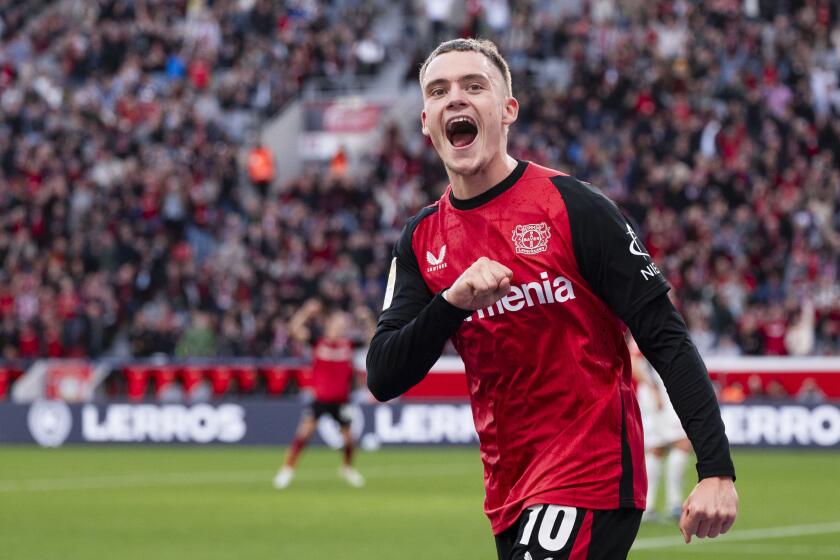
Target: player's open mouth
point(461, 131)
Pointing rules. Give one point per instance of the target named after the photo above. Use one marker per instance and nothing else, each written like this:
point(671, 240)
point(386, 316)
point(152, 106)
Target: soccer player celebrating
point(332, 376)
point(530, 273)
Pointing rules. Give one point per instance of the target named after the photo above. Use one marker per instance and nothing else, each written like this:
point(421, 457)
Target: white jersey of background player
point(663, 435)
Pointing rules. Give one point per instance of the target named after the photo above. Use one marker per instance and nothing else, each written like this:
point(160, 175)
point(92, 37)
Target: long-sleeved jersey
point(547, 367)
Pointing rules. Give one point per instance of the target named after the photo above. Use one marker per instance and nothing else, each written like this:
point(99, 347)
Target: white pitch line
point(768, 549)
point(744, 535)
point(135, 480)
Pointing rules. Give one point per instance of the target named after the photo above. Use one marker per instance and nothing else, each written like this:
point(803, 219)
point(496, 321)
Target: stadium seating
point(223, 380)
point(130, 224)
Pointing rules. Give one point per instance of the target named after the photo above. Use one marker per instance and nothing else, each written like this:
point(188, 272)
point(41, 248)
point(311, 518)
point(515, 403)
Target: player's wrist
point(718, 478)
point(450, 310)
point(450, 298)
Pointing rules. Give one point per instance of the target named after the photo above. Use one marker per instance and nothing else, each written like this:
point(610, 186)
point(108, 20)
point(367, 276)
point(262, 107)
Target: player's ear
point(424, 128)
point(511, 111)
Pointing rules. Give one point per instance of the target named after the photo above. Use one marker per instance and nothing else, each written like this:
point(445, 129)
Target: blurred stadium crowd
point(134, 219)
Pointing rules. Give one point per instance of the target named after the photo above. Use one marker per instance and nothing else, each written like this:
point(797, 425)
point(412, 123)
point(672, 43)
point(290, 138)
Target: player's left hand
point(710, 509)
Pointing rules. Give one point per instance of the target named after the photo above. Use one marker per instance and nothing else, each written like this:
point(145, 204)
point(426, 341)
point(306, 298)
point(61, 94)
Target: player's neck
point(465, 187)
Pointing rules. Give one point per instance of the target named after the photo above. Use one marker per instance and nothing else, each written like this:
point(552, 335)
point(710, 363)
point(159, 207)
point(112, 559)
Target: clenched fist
point(710, 509)
point(484, 283)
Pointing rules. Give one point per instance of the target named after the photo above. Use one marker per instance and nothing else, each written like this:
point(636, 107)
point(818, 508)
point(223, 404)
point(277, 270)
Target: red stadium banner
point(347, 115)
point(339, 125)
point(737, 379)
point(68, 380)
point(447, 380)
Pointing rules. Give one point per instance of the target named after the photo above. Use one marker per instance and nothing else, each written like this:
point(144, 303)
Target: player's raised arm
point(415, 325)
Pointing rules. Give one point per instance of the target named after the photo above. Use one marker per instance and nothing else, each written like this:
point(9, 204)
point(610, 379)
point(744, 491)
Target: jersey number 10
point(550, 538)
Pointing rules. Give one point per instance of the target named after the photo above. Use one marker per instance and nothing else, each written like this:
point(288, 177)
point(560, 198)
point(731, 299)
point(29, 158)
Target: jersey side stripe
point(392, 280)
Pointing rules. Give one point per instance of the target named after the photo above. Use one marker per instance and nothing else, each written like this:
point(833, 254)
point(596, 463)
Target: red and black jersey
point(332, 370)
point(547, 366)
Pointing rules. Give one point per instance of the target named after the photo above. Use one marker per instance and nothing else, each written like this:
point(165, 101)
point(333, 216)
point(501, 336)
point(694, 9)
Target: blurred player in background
point(332, 381)
point(663, 436)
point(530, 273)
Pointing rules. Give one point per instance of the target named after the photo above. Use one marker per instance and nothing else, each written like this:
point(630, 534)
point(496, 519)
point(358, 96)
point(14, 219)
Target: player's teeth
point(455, 121)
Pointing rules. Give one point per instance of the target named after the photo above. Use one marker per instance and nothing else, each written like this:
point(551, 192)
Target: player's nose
point(457, 98)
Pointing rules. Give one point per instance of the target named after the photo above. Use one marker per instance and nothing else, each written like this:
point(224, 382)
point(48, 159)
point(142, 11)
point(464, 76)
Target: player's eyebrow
point(465, 78)
point(474, 77)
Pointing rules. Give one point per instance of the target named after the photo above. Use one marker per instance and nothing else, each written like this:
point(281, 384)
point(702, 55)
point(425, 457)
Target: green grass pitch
point(218, 503)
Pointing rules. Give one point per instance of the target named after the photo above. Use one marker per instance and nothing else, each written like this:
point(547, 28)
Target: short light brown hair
point(483, 46)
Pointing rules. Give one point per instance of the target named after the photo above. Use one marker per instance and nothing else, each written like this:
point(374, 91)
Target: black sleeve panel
point(608, 251)
point(407, 292)
point(663, 338)
point(413, 327)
